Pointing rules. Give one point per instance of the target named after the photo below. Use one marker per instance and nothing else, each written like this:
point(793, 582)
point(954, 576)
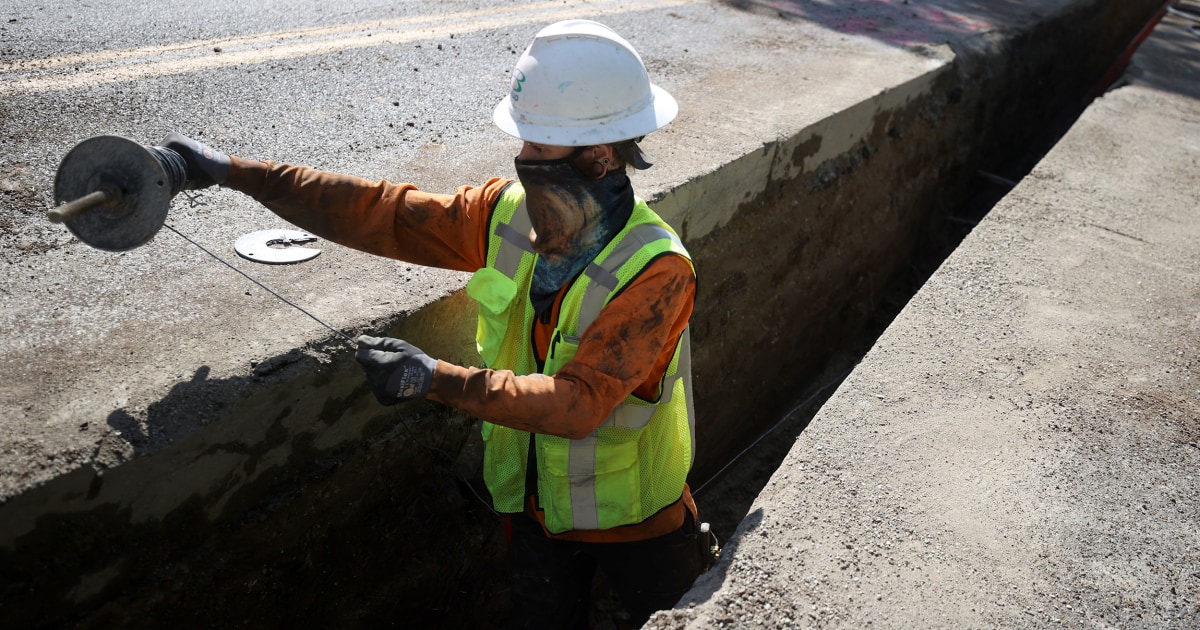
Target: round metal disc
point(124, 166)
point(276, 247)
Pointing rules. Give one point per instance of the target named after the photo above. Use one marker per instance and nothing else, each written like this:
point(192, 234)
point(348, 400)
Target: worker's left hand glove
point(205, 166)
point(396, 369)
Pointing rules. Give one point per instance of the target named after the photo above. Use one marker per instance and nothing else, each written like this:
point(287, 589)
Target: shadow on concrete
point(188, 406)
point(896, 22)
point(285, 497)
point(909, 23)
point(1170, 63)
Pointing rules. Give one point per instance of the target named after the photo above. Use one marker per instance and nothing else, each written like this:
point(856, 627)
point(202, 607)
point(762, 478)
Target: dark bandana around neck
point(574, 217)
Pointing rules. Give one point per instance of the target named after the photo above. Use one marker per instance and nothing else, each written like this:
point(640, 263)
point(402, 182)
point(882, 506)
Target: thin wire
point(399, 417)
point(786, 417)
point(264, 287)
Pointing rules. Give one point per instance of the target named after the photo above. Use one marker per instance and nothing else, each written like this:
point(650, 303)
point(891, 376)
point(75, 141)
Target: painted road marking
point(113, 66)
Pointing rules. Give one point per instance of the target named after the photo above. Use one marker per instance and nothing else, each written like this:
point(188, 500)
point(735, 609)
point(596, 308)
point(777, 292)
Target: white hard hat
point(580, 84)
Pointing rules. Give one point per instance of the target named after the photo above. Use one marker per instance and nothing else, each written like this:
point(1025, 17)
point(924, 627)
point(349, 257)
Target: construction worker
point(584, 298)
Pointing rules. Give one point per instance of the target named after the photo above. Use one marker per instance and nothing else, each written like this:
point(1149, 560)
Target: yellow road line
point(102, 67)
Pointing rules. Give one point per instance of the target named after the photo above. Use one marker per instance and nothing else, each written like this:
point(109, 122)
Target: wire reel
point(115, 194)
point(116, 191)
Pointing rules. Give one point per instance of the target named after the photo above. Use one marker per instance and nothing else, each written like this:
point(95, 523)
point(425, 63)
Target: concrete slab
point(1018, 449)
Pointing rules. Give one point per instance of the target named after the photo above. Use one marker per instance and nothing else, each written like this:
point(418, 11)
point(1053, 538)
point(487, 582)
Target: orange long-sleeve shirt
point(627, 349)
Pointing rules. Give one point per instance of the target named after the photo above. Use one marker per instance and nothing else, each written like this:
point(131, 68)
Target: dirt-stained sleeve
point(393, 220)
point(627, 349)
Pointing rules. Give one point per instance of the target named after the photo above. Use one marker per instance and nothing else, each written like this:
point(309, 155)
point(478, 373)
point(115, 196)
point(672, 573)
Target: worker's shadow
point(188, 406)
point(894, 22)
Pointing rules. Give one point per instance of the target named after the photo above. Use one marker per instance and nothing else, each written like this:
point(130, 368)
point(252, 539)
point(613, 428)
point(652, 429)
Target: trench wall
point(303, 501)
point(800, 243)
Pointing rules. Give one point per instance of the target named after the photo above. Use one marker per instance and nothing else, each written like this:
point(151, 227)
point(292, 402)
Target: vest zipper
point(545, 319)
point(541, 365)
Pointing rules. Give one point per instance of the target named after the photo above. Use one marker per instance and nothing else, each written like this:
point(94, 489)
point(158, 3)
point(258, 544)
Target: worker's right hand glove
point(205, 165)
point(395, 369)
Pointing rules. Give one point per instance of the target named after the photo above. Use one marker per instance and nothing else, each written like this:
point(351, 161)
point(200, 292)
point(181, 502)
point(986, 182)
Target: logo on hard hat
point(518, 78)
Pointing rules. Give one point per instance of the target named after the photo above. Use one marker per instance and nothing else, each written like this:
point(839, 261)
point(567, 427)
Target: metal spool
point(116, 192)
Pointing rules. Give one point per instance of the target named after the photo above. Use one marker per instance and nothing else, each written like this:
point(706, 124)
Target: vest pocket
point(562, 349)
point(492, 289)
point(594, 483)
point(494, 292)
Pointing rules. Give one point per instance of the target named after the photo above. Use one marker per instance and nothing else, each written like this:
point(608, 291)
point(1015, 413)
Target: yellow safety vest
point(636, 462)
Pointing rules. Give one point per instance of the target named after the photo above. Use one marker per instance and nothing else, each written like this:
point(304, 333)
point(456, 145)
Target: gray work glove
point(396, 369)
point(205, 165)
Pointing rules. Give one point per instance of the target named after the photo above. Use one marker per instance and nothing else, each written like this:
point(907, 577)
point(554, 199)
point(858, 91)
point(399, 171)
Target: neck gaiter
point(574, 217)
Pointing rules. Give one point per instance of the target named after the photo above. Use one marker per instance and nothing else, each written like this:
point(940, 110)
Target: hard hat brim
point(661, 110)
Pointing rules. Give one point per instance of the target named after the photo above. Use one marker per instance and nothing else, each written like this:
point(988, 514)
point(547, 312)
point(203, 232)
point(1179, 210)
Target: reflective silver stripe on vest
point(581, 466)
point(603, 281)
point(602, 284)
point(603, 276)
point(581, 459)
point(514, 241)
point(631, 416)
point(685, 369)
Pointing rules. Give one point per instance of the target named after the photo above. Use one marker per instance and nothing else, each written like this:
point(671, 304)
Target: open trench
point(393, 528)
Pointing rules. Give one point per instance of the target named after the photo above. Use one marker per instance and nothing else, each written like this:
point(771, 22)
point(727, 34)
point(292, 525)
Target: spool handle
point(86, 203)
